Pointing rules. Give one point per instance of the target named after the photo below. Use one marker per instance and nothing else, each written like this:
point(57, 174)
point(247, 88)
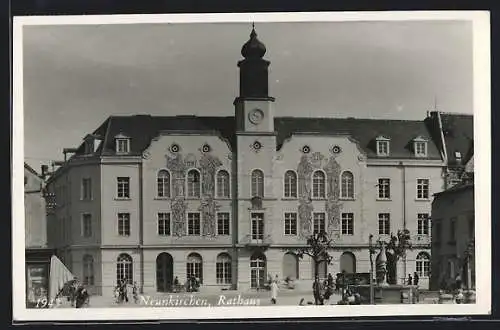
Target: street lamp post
point(370, 242)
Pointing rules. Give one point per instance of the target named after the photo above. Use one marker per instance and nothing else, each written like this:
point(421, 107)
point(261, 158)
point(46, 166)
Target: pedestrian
point(135, 293)
point(124, 290)
point(274, 292)
point(458, 282)
point(330, 279)
point(317, 291)
point(409, 279)
point(82, 297)
point(415, 278)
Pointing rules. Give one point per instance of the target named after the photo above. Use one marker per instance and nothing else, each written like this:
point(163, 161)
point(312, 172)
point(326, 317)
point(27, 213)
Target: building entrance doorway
point(257, 271)
point(164, 272)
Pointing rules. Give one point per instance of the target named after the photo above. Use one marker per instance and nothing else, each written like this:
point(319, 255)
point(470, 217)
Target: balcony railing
point(249, 241)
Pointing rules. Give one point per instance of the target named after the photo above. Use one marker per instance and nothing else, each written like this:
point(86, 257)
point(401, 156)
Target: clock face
point(255, 116)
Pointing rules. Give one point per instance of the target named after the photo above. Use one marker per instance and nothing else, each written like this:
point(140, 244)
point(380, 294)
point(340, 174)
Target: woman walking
point(274, 292)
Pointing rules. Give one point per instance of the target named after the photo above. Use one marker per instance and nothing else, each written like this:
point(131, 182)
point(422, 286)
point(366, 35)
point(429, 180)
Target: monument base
point(385, 294)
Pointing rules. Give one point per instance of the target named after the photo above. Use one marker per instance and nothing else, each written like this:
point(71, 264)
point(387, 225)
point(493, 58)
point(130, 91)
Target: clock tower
point(254, 107)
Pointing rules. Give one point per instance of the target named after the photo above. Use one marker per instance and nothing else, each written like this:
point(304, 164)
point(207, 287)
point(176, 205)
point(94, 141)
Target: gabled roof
point(458, 130)
point(455, 189)
point(30, 169)
point(143, 128)
point(400, 132)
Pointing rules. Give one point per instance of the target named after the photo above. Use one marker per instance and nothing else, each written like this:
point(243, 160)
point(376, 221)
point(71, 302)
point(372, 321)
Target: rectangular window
point(383, 148)
point(164, 224)
point(436, 235)
point(420, 149)
point(123, 187)
point(124, 224)
point(384, 223)
point(453, 230)
point(347, 223)
point(257, 226)
point(290, 223)
point(86, 225)
point(319, 223)
point(423, 224)
point(223, 223)
point(122, 145)
point(471, 225)
point(384, 188)
point(422, 188)
point(194, 224)
point(86, 189)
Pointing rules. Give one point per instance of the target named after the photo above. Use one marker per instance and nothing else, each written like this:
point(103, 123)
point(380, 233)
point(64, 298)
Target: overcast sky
point(77, 76)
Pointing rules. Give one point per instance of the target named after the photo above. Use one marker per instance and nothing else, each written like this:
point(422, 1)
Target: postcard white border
point(482, 159)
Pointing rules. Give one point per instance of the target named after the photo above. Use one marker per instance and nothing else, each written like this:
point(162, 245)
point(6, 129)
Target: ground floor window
point(88, 270)
point(194, 267)
point(423, 264)
point(124, 268)
point(257, 270)
point(223, 269)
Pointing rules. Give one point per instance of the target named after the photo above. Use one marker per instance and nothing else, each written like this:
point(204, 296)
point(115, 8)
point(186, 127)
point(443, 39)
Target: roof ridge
point(351, 118)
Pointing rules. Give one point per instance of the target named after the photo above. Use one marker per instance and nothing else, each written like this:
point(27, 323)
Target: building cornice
point(406, 162)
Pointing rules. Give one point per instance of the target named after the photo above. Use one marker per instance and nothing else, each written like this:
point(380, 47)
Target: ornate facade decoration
point(306, 166)
point(332, 204)
point(177, 167)
point(208, 209)
point(178, 207)
point(207, 165)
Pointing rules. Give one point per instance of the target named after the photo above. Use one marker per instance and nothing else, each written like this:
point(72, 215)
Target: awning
point(59, 276)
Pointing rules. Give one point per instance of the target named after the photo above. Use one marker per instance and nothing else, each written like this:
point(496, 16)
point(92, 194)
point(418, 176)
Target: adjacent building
point(228, 199)
point(453, 234)
point(37, 253)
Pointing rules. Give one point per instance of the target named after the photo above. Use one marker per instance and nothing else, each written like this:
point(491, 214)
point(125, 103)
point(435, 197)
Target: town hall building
point(229, 199)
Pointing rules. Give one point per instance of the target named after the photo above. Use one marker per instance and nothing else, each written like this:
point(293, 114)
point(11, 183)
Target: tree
point(399, 244)
point(317, 248)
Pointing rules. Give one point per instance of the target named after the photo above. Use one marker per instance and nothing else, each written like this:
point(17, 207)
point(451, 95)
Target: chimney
point(45, 170)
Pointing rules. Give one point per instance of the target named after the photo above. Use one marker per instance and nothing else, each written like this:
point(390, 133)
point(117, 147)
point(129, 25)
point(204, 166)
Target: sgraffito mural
point(307, 165)
point(208, 166)
point(332, 204)
point(178, 166)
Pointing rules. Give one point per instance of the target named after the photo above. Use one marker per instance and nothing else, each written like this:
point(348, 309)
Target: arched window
point(319, 184)
point(124, 268)
point(193, 184)
point(290, 184)
point(257, 183)
point(290, 266)
point(163, 181)
point(423, 264)
point(348, 263)
point(88, 270)
point(194, 267)
point(223, 269)
point(347, 181)
point(223, 184)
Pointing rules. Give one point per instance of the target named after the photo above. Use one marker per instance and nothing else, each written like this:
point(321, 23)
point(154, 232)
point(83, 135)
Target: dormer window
point(420, 147)
point(122, 144)
point(383, 146)
point(458, 155)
